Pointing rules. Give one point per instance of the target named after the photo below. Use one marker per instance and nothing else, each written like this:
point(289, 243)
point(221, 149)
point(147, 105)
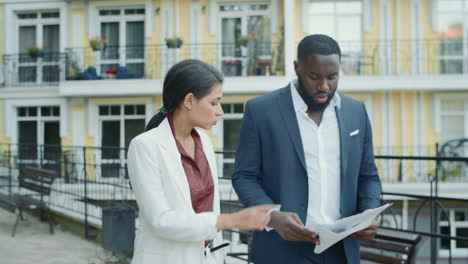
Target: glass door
point(232, 59)
point(245, 40)
point(27, 68)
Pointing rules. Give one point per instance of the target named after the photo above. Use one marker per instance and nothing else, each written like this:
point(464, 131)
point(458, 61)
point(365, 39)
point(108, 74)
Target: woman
point(173, 174)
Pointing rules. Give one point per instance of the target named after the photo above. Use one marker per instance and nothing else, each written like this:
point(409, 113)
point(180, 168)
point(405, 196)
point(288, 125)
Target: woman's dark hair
point(317, 44)
point(187, 76)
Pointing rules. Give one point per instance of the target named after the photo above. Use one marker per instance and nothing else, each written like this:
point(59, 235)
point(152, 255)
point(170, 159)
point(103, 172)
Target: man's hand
point(290, 227)
point(368, 233)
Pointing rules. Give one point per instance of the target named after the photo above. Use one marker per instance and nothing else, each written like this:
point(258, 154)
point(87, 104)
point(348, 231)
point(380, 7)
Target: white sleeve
point(171, 224)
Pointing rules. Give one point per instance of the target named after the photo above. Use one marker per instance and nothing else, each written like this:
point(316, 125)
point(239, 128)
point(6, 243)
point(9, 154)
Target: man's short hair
point(317, 44)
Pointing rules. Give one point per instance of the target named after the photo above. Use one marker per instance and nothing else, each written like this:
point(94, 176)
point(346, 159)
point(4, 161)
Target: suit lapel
point(344, 140)
point(168, 143)
point(289, 118)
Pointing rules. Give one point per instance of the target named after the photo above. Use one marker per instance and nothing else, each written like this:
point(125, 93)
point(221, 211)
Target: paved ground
point(33, 244)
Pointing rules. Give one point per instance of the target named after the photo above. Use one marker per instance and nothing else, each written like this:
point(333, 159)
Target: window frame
point(40, 130)
point(337, 16)
point(122, 117)
point(122, 20)
point(243, 15)
point(39, 23)
point(464, 56)
point(232, 115)
point(456, 252)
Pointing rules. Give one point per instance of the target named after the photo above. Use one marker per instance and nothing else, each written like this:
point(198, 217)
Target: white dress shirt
point(321, 145)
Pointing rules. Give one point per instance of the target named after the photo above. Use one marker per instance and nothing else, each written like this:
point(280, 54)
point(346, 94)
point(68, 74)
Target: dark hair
point(187, 76)
point(318, 44)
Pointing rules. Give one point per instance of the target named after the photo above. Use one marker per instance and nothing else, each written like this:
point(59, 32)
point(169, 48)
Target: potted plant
point(174, 43)
point(35, 52)
point(98, 43)
point(244, 40)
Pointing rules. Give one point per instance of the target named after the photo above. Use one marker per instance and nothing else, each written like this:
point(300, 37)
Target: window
point(454, 125)
point(39, 136)
point(246, 39)
point(230, 127)
point(125, 46)
point(453, 119)
point(458, 219)
point(452, 26)
point(341, 20)
point(119, 125)
point(40, 30)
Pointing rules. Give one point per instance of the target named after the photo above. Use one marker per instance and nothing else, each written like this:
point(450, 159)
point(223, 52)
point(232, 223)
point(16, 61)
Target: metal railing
point(45, 68)
point(153, 61)
point(404, 57)
point(91, 178)
point(369, 57)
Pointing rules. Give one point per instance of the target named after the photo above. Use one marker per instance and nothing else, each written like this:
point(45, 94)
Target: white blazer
point(169, 229)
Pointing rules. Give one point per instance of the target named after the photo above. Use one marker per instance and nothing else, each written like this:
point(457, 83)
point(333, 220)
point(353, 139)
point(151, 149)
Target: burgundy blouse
point(198, 173)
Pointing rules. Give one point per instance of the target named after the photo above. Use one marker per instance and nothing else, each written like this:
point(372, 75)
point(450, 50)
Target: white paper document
point(332, 233)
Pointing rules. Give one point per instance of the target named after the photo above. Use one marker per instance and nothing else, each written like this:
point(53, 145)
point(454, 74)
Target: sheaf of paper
point(332, 233)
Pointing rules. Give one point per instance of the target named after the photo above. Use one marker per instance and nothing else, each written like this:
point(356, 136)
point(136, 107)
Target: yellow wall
point(119, 100)
point(409, 99)
point(3, 137)
point(431, 134)
point(395, 127)
point(431, 45)
point(371, 43)
point(300, 32)
point(405, 37)
point(377, 128)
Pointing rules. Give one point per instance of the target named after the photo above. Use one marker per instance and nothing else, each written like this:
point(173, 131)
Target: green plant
point(244, 40)
point(33, 49)
point(175, 42)
point(98, 43)
point(36, 51)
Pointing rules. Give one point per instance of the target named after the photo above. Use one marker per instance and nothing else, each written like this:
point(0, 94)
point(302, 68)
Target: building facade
point(90, 73)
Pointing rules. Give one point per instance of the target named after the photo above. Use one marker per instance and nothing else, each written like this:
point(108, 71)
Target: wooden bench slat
point(391, 246)
point(37, 188)
point(35, 182)
point(38, 179)
point(378, 244)
point(381, 258)
point(397, 236)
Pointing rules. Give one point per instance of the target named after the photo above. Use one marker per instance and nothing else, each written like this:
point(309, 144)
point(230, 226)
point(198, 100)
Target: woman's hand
point(252, 218)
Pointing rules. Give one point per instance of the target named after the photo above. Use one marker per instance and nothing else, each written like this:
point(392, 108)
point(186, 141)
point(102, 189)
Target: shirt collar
point(300, 105)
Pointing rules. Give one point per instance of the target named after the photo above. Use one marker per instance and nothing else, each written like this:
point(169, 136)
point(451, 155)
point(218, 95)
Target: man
point(309, 149)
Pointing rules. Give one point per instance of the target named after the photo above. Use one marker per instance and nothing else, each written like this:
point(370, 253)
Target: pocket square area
point(355, 132)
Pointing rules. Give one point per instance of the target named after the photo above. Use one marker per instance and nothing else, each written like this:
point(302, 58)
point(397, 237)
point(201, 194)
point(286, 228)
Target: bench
point(38, 182)
point(391, 247)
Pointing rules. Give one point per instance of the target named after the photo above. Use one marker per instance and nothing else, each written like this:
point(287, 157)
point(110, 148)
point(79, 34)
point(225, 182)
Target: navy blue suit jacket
point(270, 169)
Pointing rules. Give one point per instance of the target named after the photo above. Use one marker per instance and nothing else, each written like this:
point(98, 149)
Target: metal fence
point(369, 57)
point(90, 178)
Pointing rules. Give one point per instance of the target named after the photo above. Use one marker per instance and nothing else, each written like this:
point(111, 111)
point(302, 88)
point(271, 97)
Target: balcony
point(370, 58)
point(39, 69)
point(404, 57)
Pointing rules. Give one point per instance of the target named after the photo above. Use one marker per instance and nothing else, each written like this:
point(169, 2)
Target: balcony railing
point(404, 57)
point(91, 178)
point(40, 69)
point(153, 61)
point(370, 57)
